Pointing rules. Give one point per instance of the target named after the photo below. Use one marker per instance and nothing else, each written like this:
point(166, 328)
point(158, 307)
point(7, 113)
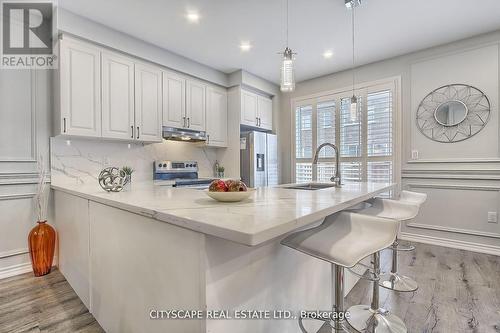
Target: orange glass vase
point(42, 241)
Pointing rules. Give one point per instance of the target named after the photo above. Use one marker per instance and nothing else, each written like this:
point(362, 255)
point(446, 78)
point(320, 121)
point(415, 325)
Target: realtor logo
point(27, 35)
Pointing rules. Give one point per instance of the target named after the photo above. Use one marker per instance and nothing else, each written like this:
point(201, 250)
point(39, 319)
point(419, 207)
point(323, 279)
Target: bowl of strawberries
point(229, 190)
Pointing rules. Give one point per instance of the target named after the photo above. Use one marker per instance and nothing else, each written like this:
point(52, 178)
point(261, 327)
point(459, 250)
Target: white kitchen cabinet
point(256, 110)
point(249, 113)
point(174, 100)
point(117, 96)
point(265, 112)
point(80, 88)
point(216, 117)
point(195, 105)
point(148, 103)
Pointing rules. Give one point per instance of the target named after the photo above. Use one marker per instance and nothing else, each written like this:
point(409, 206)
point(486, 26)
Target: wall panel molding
point(12, 253)
point(454, 230)
point(32, 158)
point(17, 196)
point(454, 187)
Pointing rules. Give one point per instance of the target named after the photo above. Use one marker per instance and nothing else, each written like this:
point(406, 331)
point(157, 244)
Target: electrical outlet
point(414, 154)
point(492, 217)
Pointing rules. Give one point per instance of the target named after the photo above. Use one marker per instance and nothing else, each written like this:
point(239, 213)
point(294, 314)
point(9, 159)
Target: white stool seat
point(345, 238)
point(413, 197)
point(391, 209)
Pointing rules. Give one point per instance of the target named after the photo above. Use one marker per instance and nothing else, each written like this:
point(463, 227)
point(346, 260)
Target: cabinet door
point(265, 110)
point(174, 100)
point(195, 105)
point(117, 96)
point(248, 108)
point(148, 103)
point(216, 117)
point(80, 88)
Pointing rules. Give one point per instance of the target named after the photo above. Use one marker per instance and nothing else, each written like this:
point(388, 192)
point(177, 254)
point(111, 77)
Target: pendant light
point(287, 70)
point(354, 99)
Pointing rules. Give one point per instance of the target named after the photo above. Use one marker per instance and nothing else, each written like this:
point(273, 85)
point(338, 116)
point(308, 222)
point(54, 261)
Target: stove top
point(179, 174)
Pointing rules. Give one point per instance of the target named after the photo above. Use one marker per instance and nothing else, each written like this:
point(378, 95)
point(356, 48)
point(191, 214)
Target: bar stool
point(344, 239)
point(406, 208)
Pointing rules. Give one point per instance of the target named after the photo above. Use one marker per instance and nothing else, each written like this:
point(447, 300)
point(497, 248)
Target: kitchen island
point(152, 248)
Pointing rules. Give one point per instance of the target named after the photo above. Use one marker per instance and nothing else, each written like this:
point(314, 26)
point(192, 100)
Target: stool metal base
point(405, 247)
point(364, 319)
point(397, 282)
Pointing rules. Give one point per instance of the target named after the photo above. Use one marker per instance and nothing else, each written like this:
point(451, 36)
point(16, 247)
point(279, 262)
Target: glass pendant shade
point(287, 72)
point(354, 108)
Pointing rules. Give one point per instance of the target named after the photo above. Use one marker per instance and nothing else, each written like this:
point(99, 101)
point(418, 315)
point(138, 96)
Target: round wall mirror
point(451, 113)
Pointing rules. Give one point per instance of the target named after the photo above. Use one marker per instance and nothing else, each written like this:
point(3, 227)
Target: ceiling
point(384, 29)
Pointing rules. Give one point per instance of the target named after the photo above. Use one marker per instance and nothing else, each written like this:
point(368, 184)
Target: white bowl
point(230, 196)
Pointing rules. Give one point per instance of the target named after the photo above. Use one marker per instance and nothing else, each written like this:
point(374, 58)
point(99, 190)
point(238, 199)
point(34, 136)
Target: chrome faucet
point(335, 179)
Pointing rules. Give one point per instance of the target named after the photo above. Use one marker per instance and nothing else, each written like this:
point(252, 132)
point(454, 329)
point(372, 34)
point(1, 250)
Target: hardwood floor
point(44, 304)
point(459, 292)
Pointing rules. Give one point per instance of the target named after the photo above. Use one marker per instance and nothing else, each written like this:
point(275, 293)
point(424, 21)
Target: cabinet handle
point(189, 123)
point(132, 129)
point(256, 121)
point(64, 125)
point(137, 132)
point(208, 138)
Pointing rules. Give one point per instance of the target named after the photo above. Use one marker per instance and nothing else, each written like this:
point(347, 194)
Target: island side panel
point(72, 224)
point(139, 264)
point(266, 277)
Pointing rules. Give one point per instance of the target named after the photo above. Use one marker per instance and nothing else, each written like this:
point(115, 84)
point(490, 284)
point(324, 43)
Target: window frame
point(362, 90)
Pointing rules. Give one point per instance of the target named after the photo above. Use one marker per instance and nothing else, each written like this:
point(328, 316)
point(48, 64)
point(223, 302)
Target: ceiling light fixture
point(328, 54)
point(354, 99)
point(287, 71)
point(352, 3)
point(193, 17)
point(245, 46)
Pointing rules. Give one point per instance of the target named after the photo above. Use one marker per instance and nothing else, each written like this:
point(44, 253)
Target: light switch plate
point(414, 154)
point(492, 217)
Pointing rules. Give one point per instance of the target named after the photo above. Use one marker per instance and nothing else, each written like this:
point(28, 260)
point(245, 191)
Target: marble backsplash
point(80, 160)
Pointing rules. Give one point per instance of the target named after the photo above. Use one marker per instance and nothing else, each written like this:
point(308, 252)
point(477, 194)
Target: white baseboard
point(13, 270)
point(456, 244)
point(25, 267)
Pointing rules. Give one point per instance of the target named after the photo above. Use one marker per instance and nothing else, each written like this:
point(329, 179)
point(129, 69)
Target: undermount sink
point(310, 186)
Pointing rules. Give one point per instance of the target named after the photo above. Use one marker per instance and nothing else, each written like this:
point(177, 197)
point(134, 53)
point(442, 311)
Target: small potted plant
point(220, 171)
point(128, 171)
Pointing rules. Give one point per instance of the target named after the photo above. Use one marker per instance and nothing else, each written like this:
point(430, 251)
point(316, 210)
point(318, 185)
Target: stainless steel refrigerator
point(259, 159)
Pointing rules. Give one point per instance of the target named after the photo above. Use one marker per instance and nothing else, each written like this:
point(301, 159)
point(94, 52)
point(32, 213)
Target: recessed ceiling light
point(245, 46)
point(193, 17)
point(328, 54)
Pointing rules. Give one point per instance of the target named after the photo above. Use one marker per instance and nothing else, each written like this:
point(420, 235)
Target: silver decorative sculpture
point(112, 179)
point(453, 113)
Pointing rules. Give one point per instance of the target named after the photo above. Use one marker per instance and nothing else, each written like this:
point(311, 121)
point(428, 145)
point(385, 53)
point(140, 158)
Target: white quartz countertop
point(269, 213)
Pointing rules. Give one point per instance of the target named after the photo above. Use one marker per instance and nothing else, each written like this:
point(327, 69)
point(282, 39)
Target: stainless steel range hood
point(183, 134)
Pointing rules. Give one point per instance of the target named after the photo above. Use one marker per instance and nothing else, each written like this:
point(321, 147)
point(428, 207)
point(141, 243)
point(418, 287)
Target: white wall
point(25, 104)
point(461, 179)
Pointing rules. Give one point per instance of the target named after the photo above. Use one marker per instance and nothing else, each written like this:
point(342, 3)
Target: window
point(366, 142)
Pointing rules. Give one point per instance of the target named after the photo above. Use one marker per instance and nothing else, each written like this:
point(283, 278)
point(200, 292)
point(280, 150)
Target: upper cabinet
point(195, 105)
point(174, 100)
point(117, 96)
point(107, 94)
point(216, 117)
point(256, 110)
point(184, 102)
point(80, 89)
point(265, 112)
point(148, 103)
